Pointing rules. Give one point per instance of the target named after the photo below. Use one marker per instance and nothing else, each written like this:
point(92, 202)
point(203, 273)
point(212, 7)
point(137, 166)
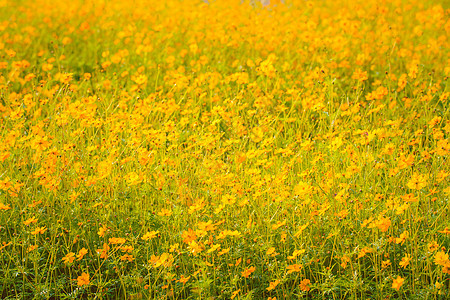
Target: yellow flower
point(278, 225)
point(83, 279)
point(104, 251)
point(296, 253)
point(30, 220)
point(31, 248)
point(397, 283)
point(417, 182)
point(39, 230)
point(270, 250)
point(294, 268)
point(150, 235)
point(304, 285)
point(364, 251)
point(114, 241)
point(102, 230)
point(248, 271)
point(385, 264)
point(272, 285)
point(405, 261)
point(403, 236)
point(69, 258)
point(441, 258)
point(235, 293)
point(164, 213)
point(183, 279)
point(127, 257)
point(81, 253)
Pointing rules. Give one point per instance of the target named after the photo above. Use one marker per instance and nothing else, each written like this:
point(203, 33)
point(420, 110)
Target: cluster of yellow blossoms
point(224, 149)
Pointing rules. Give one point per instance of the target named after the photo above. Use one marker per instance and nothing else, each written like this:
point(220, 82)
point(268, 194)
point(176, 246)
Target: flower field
point(224, 150)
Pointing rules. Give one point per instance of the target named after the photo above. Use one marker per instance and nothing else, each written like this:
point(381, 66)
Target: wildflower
point(305, 285)
point(302, 189)
point(102, 230)
point(397, 283)
point(278, 225)
point(382, 223)
point(360, 75)
point(40, 143)
point(270, 251)
point(83, 279)
point(195, 247)
point(164, 213)
point(446, 230)
point(224, 251)
point(128, 249)
point(417, 182)
point(405, 261)
point(115, 241)
point(165, 260)
point(403, 236)
point(296, 253)
point(248, 271)
point(39, 230)
point(213, 248)
point(300, 230)
point(132, 179)
point(385, 264)
point(441, 258)
point(69, 258)
point(188, 236)
point(435, 121)
point(174, 247)
point(294, 268)
point(235, 293)
point(150, 235)
point(104, 251)
point(344, 261)
point(4, 207)
point(432, 246)
point(31, 248)
point(272, 285)
point(127, 257)
point(81, 253)
point(183, 279)
point(364, 251)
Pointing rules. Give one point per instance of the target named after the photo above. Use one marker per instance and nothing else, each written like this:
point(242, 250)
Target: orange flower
point(81, 253)
point(294, 268)
point(149, 235)
point(273, 285)
point(189, 236)
point(104, 251)
point(83, 279)
point(183, 279)
point(397, 283)
point(248, 271)
point(4, 207)
point(405, 261)
point(69, 258)
point(304, 285)
point(102, 230)
point(30, 220)
point(296, 253)
point(441, 258)
point(235, 293)
point(39, 230)
point(114, 241)
point(417, 182)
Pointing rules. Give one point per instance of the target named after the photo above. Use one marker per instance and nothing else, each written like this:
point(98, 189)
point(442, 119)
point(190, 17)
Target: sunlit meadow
point(224, 150)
